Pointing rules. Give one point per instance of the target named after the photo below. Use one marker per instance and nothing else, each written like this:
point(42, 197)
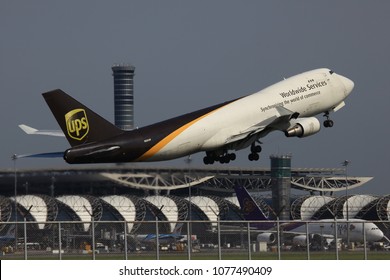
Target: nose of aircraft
point(379, 234)
point(348, 84)
point(374, 234)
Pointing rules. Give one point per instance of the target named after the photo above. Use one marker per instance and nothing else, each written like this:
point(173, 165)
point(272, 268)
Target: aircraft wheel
point(255, 149)
point(208, 160)
point(253, 157)
point(328, 123)
point(225, 159)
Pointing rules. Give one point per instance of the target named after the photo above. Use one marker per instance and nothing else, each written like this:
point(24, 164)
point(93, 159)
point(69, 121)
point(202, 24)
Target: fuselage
point(308, 94)
point(213, 128)
point(162, 238)
point(354, 230)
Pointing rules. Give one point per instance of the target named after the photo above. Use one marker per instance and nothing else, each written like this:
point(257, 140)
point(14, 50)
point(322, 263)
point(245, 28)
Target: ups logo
point(77, 124)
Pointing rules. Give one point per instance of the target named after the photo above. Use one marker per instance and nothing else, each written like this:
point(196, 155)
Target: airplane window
point(331, 72)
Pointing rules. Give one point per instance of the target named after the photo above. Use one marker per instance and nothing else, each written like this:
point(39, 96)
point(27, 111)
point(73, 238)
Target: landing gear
point(223, 156)
point(253, 156)
point(255, 150)
point(328, 122)
point(212, 157)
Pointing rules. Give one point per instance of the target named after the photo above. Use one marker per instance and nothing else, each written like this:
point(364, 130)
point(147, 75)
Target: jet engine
point(302, 127)
point(314, 240)
point(299, 240)
point(270, 238)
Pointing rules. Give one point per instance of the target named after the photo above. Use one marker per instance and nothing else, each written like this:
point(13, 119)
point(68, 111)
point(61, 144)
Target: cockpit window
point(331, 72)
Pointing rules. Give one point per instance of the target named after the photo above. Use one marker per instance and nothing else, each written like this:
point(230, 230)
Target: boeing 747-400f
point(288, 106)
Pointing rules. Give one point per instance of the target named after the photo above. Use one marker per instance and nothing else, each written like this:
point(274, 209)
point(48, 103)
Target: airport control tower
point(124, 95)
point(281, 185)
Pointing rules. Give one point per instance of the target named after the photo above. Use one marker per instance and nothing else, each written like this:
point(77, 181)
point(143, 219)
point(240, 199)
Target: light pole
point(14, 158)
point(345, 164)
point(189, 224)
point(92, 231)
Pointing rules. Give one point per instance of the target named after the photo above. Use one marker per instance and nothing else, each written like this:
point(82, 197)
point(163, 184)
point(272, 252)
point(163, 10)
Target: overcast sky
point(192, 54)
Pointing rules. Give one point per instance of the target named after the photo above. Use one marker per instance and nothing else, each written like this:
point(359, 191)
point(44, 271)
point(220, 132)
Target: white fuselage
point(309, 94)
point(354, 230)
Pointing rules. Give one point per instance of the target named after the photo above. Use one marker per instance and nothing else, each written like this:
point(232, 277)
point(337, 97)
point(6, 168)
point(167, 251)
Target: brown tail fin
point(79, 123)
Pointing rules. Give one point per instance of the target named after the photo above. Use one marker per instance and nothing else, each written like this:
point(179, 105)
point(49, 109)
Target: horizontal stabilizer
point(33, 131)
point(40, 155)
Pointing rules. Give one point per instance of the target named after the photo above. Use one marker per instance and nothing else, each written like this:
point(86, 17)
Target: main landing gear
point(212, 157)
point(225, 157)
point(255, 150)
point(327, 122)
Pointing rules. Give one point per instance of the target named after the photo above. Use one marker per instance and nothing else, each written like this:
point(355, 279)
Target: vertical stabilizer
point(250, 209)
point(79, 123)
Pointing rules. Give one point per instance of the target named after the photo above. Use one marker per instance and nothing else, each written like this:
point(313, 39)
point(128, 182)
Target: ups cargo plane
point(288, 106)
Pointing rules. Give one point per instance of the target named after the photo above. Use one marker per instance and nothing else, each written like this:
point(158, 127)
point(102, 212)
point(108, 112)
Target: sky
point(190, 55)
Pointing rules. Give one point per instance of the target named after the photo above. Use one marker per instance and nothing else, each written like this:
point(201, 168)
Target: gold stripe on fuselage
point(161, 144)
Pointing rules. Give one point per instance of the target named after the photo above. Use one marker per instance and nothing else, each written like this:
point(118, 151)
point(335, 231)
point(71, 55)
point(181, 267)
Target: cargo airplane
point(289, 106)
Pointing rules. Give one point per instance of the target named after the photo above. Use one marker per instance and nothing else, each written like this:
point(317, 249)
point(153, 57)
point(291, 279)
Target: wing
point(280, 121)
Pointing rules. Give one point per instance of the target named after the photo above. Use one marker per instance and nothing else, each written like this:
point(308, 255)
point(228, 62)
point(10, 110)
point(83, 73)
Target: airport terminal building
point(139, 195)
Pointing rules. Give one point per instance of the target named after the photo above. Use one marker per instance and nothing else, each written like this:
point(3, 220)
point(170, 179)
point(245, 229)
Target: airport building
point(138, 194)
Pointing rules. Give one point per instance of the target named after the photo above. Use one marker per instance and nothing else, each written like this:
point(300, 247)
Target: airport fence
point(188, 240)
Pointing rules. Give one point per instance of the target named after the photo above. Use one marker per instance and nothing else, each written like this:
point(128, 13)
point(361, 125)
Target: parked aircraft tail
point(79, 123)
point(251, 210)
point(177, 229)
point(10, 232)
point(249, 207)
